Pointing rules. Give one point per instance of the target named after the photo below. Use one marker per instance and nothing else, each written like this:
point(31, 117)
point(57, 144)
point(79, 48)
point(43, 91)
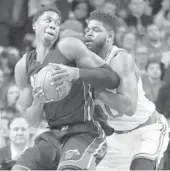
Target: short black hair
point(105, 17)
point(43, 10)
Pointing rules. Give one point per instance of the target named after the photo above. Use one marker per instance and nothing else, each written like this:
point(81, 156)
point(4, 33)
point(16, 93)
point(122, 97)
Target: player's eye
point(86, 30)
point(96, 29)
point(57, 23)
point(47, 20)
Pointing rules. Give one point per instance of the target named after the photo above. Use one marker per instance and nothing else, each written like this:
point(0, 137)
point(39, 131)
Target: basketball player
point(75, 141)
point(141, 133)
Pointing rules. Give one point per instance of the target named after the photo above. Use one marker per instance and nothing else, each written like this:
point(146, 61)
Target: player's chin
point(50, 39)
point(88, 45)
point(91, 48)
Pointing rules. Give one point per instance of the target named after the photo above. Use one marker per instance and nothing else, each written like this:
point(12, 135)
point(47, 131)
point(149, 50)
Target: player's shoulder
point(72, 48)
point(72, 42)
point(20, 68)
point(123, 57)
point(123, 62)
point(21, 64)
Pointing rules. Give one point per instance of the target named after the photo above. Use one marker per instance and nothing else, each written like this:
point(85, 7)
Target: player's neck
point(104, 52)
point(42, 52)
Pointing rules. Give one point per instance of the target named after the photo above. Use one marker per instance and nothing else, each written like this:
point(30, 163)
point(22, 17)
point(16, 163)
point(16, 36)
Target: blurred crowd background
point(143, 29)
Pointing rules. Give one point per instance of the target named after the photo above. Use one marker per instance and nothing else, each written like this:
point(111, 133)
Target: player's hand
point(39, 96)
point(63, 73)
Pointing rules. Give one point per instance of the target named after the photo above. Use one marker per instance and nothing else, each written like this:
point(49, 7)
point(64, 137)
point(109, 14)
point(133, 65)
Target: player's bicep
point(125, 68)
point(79, 53)
point(90, 60)
point(21, 80)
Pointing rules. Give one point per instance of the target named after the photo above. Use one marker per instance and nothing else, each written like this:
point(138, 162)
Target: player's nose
point(52, 25)
point(89, 33)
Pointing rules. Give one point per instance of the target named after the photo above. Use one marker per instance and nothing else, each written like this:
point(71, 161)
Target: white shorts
point(149, 142)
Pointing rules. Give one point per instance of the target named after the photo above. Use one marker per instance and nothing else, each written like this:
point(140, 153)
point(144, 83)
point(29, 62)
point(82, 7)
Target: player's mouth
point(88, 41)
point(50, 33)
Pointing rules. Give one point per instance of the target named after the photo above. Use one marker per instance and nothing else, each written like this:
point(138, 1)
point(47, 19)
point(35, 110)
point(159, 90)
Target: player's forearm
point(119, 102)
point(34, 114)
point(100, 78)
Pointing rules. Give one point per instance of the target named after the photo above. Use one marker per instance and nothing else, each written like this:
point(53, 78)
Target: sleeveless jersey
point(144, 110)
point(77, 107)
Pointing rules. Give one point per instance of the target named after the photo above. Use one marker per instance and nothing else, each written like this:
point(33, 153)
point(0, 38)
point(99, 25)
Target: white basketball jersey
point(144, 110)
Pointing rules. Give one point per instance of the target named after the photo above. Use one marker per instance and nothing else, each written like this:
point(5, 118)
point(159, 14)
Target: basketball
point(43, 79)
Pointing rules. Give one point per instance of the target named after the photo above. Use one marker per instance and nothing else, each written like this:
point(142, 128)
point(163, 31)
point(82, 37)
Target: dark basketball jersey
point(77, 107)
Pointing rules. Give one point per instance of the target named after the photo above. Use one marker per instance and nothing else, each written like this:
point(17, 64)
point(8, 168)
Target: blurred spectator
point(1, 87)
point(129, 42)
point(11, 95)
point(163, 101)
point(157, 49)
point(9, 112)
point(148, 10)
point(163, 106)
point(72, 28)
point(120, 31)
point(111, 7)
point(4, 121)
point(156, 6)
point(8, 59)
point(141, 57)
point(122, 14)
point(152, 81)
point(167, 39)
point(136, 17)
point(153, 38)
point(160, 18)
point(166, 59)
point(13, 16)
point(81, 10)
point(19, 135)
point(96, 4)
point(4, 64)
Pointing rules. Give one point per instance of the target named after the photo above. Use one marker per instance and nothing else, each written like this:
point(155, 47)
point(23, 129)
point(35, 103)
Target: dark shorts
point(83, 150)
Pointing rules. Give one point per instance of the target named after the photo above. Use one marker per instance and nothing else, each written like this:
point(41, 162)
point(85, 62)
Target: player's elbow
point(130, 111)
point(129, 108)
point(114, 80)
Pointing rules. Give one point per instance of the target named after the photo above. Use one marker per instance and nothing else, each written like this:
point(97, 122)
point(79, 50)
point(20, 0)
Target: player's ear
point(34, 26)
point(111, 36)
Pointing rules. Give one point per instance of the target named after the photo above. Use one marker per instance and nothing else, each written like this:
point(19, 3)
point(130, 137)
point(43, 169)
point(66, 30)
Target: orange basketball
point(51, 92)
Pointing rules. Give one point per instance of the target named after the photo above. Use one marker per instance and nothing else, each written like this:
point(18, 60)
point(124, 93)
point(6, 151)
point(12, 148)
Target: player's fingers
point(60, 77)
point(39, 94)
point(59, 88)
point(59, 72)
point(36, 88)
point(57, 66)
point(57, 82)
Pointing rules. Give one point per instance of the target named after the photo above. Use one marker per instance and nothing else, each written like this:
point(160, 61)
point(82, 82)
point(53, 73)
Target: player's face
point(19, 131)
point(47, 27)
point(95, 35)
point(154, 70)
